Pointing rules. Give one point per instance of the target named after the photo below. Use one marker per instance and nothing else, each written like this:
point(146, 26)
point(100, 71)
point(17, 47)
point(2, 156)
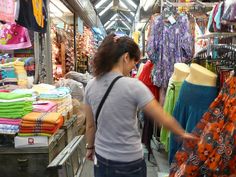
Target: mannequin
point(201, 76)
point(181, 71)
point(198, 91)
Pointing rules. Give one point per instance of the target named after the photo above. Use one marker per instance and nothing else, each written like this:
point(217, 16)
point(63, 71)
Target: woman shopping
point(111, 102)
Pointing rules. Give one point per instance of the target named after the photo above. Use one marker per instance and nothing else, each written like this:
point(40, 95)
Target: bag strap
point(104, 98)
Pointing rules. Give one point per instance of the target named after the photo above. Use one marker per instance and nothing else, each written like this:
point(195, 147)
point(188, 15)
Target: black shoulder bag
point(104, 98)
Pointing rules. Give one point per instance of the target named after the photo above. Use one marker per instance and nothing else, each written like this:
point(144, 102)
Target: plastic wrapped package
point(79, 77)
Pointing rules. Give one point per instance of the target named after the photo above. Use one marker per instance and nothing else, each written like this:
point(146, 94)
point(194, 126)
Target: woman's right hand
point(189, 136)
point(90, 154)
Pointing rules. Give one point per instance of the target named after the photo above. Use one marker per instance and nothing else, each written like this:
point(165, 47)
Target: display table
point(30, 162)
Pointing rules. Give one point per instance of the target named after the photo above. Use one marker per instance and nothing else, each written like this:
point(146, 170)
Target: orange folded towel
point(50, 117)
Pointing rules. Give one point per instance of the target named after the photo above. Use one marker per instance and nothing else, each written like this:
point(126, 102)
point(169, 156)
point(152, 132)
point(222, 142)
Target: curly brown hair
point(110, 50)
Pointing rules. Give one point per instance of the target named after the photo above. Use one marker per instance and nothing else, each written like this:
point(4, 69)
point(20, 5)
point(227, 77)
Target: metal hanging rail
point(217, 35)
point(190, 4)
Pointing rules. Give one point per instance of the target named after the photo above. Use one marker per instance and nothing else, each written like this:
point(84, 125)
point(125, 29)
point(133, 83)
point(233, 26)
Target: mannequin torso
point(201, 76)
point(181, 71)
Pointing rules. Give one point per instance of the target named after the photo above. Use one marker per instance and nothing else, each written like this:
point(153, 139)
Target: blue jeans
point(110, 168)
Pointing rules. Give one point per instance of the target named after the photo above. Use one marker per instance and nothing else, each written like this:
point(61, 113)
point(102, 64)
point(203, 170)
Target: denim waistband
point(116, 163)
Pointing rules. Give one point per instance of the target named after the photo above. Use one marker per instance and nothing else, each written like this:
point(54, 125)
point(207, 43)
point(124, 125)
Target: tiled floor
point(156, 167)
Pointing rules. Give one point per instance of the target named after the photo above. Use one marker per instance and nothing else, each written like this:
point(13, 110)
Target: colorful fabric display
point(15, 105)
point(14, 36)
point(48, 106)
point(7, 10)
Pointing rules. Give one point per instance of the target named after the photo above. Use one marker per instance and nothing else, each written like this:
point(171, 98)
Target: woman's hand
point(189, 136)
point(90, 154)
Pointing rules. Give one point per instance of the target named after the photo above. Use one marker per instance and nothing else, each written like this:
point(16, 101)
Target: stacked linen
point(8, 74)
point(9, 126)
point(12, 108)
point(57, 93)
point(61, 96)
point(26, 91)
point(22, 79)
point(47, 106)
point(43, 88)
point(40, 124)
point(13, 105)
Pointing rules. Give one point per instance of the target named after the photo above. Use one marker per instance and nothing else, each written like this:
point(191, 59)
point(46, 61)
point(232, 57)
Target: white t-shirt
point(117, 136)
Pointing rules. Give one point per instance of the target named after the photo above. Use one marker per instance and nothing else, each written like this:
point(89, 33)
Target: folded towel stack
point(22, 79)
point(14, 105)
point(40, 124)
point(61, 96)
point(8, 74)
point(9, 126)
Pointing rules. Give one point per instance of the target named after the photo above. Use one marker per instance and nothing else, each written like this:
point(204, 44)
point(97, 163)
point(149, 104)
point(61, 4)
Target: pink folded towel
point(10, 121)
point(48, 107)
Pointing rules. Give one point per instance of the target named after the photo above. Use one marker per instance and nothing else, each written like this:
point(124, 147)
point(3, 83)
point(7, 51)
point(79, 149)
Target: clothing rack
point(217, 35)
point(225, 56)
point(190, 4)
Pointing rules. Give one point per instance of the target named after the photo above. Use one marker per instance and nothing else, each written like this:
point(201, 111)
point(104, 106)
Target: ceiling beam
point(107, 17)
point(102, 7)
point(129, 19)
point(127, 5)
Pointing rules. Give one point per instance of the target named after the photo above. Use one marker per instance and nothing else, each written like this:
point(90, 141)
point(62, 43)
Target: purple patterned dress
point(167, 45)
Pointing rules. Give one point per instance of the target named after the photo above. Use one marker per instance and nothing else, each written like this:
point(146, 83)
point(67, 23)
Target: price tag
point(172, 19)
point(95, 160)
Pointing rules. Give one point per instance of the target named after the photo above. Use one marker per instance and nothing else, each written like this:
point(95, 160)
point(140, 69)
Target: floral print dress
point(215, 153)
point(168, 44)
